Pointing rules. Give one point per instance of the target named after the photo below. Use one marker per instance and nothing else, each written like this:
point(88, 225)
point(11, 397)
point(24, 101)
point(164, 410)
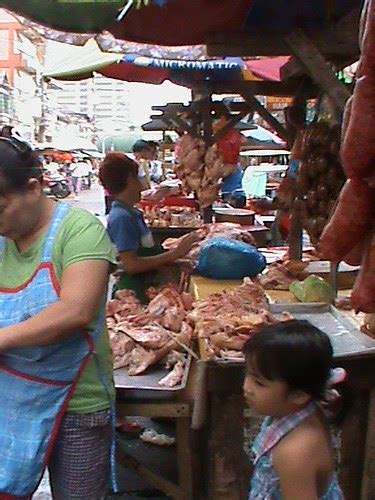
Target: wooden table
point(228, 468)
point(181, 408)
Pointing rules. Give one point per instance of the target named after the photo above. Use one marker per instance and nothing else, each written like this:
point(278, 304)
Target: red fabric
point(285, 225)
point(230, 146)
point(269, 68)
point(182, 22)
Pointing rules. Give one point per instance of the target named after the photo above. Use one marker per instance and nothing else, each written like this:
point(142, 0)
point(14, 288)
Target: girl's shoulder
point(304, 445)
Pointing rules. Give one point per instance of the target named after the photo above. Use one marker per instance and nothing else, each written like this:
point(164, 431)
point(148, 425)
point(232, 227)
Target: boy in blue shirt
point(137, 252)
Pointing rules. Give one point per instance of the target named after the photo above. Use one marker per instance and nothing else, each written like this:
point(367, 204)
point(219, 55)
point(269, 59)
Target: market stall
point(353, 350)
point(211, 399)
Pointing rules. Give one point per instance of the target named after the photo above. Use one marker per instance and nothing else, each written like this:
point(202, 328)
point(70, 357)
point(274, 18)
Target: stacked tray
point(147, 385)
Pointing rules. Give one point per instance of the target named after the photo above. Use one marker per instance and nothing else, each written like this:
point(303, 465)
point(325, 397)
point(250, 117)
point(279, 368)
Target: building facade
point(105, 101)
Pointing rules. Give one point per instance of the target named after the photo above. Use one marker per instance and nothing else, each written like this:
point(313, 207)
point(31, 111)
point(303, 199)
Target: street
point(90, 199)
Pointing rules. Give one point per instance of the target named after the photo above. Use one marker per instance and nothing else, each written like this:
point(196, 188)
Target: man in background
point(143, 154)
point(156, 166)
point(230, 147)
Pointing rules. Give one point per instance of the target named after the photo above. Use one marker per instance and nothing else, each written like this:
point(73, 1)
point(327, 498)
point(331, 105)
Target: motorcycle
point(56, 185)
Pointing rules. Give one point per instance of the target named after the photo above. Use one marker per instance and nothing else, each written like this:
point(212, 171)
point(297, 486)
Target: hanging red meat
point(363, 295)
point(351, 220)
point(358, 151)
point(354, 257)
point(346, 117)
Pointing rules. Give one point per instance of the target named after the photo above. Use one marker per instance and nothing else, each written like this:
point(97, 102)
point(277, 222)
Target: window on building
point(4, 45)
point(5, 103)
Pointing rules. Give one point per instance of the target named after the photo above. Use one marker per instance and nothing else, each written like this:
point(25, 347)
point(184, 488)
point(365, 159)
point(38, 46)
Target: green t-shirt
point(80, 237)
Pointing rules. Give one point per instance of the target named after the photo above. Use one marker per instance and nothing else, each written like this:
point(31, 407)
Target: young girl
point(288, 370)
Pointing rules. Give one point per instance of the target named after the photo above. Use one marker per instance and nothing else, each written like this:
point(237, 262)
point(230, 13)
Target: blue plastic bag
point(221, 258)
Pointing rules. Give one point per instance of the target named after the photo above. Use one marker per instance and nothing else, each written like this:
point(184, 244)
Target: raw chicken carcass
point(280, 275)
point(175, 376)
point(200, 169)
point(224, 341)
point(227, 230)
point(152, 437)
point(224, 321)
point(139, 359)
point(149, 336)
point(142, 336)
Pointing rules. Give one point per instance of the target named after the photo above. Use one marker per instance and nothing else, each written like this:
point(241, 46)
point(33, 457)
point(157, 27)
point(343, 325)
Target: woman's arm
point(83, 286)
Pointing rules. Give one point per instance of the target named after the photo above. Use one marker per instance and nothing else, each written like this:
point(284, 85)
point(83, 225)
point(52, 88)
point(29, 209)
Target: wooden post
point(207, 214)
point(229, 468)
point(185, 458)
point(207, 119)
point(352, 446)
point(368, 482)
point(271, 120)
point(295, 236)
point(310, 57)
point(333, 270)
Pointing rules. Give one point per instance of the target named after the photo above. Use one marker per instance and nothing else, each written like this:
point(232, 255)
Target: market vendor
point(56, 366)
point(144, 153)
point(139, 257)
point(282, 203)
point(230, 146)
point(295, 121)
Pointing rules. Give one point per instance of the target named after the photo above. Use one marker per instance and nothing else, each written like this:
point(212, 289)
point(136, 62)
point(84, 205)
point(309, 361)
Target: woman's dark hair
point(18, 164)
point(115, 170)
point(295, 352)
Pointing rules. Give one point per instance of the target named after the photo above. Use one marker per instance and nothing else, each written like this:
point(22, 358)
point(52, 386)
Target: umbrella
point(183, 22)
point(82, 62)
point(261, 138)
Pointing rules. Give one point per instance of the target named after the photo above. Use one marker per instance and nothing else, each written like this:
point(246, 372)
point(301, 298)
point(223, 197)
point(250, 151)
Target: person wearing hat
point(143, 154)
point(230, 147)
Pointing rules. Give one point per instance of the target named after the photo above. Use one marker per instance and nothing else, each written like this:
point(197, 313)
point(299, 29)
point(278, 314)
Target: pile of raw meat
point(281, 274)
point(226, 320)
point(144, 336)
point(350, 234)
point(227, 230)
point(172, 216)
point(200, 169)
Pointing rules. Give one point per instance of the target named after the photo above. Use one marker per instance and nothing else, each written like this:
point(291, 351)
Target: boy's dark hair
point(18, 164)
point(115, 170)
point(295, 352)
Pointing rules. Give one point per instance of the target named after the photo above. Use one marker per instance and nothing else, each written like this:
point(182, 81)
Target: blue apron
point(36, 383)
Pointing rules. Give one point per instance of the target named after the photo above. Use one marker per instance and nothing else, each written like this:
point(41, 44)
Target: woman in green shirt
point(56, 380)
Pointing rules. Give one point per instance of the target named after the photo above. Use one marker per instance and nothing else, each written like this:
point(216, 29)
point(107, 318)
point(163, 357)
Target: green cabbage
point(313, 289)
